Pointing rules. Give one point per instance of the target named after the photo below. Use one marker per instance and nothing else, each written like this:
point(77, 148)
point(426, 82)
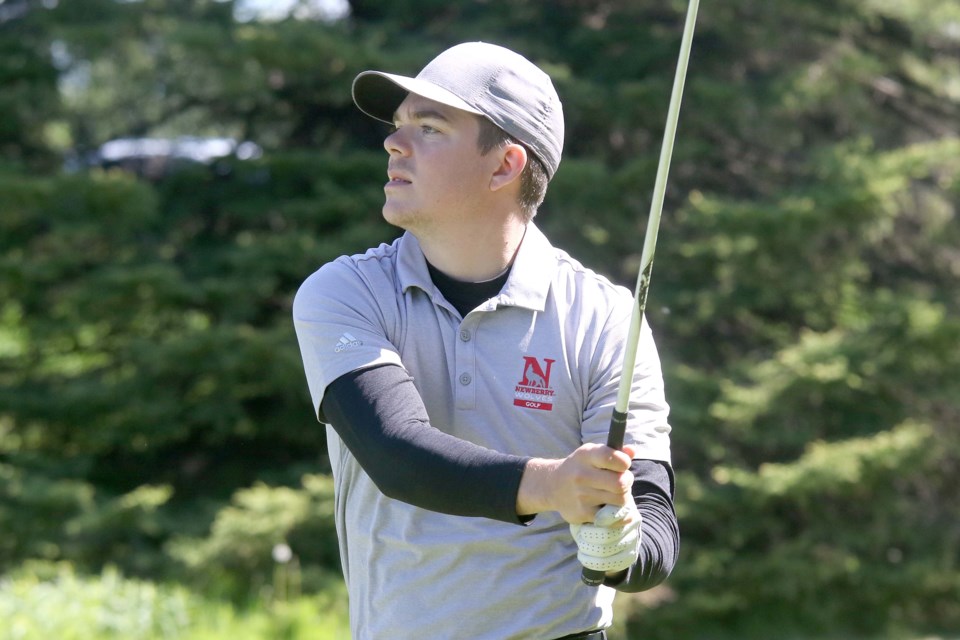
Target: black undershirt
point(380, 416)
point(466, 296)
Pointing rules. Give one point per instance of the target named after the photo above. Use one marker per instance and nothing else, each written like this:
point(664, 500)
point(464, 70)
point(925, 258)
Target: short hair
point(533, 180)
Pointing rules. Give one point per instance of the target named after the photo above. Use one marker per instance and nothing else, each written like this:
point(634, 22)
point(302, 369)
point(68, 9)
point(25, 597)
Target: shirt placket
point(466, 362)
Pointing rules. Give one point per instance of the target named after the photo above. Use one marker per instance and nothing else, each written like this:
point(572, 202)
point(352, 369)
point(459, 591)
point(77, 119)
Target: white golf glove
point(612, 542)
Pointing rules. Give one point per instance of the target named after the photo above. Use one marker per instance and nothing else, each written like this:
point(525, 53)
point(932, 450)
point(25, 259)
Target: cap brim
point(379, 94)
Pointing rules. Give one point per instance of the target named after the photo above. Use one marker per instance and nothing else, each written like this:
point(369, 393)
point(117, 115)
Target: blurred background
point(170, 171)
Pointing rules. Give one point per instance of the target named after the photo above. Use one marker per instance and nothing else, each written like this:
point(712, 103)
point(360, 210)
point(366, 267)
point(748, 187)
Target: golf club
point(618, 421)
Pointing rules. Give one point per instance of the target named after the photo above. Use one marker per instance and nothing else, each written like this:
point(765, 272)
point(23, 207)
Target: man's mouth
point(396, 180)
point(397, 176)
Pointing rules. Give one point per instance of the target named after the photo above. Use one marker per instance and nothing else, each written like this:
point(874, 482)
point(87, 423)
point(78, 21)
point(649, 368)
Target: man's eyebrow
point(423, 114)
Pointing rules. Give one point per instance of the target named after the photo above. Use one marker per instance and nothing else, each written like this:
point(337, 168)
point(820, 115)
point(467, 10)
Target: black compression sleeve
point(660, 541)
point(379, 415)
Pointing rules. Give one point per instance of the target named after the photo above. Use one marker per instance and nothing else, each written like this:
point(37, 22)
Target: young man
point(467, 373)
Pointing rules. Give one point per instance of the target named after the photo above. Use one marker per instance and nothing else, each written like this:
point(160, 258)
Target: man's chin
point(398, 217)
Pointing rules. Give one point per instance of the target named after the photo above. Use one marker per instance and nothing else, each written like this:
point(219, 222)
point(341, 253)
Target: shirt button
point(465, 379)
point(465, 335)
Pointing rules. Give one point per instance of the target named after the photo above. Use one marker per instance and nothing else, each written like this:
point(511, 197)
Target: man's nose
point(395, 142)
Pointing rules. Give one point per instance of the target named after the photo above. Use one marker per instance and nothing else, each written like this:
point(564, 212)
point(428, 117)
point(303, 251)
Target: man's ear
point(513, 159)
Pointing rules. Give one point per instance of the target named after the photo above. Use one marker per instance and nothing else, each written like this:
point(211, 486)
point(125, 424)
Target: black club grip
point(618, 428)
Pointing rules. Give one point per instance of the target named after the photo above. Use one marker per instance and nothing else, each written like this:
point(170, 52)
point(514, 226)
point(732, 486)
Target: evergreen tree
point(804, 292)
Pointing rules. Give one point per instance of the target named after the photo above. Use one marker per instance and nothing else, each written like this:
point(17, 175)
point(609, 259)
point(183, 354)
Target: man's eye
point(427, 128)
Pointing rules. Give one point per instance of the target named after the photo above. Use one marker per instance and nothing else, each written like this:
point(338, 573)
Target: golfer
point(467, 373)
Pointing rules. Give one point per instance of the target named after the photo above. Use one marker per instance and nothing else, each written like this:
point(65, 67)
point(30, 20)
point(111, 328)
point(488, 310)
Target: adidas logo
point(346, 341)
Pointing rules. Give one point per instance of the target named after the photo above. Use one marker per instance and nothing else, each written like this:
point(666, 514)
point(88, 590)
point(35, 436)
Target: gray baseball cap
point(484, 79)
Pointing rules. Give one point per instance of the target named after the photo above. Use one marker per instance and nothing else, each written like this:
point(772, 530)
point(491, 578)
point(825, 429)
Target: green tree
point(804, 296)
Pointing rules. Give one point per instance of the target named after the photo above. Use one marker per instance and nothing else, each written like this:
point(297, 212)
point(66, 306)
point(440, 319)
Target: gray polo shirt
point(533, 371)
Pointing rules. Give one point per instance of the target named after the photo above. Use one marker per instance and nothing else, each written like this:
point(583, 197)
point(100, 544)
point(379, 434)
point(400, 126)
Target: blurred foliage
point(53, 602)
point(153, 411)
point(41, 601)
point(239, 556)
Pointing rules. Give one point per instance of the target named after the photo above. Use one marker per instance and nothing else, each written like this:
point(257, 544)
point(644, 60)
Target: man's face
point(437, 175)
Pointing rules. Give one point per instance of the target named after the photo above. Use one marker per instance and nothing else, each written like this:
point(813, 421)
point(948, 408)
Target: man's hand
point(612, 543)
point(578, 485)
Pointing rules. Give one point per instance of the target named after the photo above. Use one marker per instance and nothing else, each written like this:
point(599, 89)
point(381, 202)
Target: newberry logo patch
point(533, 391)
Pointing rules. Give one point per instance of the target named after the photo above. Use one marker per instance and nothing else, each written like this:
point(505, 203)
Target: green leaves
point(238, 555)
point(152, 401)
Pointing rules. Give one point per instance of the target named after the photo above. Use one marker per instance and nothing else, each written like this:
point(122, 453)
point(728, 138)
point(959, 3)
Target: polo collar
point(533, 271)
point(527, 286)
point(412, 265)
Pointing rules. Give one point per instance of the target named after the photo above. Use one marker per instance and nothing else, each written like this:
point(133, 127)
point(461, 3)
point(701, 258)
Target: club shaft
point(656, 209)
point(618, 421)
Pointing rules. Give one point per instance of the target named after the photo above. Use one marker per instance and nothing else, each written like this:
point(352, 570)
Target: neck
point(475, 253)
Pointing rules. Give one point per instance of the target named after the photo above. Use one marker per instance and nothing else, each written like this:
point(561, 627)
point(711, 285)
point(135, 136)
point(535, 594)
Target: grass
point(108, 606)
point(40, 602)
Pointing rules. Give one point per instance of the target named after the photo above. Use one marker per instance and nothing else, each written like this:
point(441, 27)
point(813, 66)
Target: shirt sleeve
point(344, 322)
point(648, 429)
point(380, 417)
